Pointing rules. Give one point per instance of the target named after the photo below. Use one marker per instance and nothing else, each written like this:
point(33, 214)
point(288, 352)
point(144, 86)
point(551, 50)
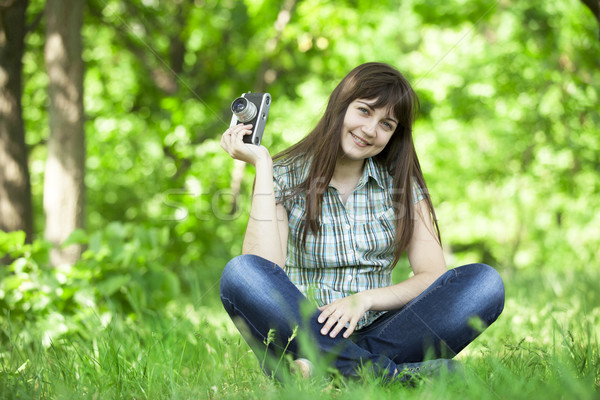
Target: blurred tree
point(15, 187)
point(506, 89)
point(64, 189)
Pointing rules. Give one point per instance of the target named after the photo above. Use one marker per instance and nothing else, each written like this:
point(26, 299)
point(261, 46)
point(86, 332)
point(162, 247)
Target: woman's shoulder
point(288, 174)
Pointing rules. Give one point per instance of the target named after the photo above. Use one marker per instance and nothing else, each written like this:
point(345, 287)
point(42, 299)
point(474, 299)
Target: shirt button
point(349, 278)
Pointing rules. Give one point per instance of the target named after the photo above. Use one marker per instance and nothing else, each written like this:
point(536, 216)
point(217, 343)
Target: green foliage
point(122, 272)
point(507, 135)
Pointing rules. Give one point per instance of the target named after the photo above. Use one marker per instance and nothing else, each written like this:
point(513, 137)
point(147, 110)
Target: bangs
point(398, 100)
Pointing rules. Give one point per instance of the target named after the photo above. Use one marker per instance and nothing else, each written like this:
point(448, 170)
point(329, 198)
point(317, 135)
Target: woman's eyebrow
point(366, 104)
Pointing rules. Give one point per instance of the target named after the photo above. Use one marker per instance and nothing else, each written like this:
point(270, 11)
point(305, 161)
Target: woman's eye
point(363, 110)
point(387, 125)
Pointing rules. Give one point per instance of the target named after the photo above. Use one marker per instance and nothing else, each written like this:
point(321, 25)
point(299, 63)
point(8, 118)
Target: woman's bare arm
point(267, 230)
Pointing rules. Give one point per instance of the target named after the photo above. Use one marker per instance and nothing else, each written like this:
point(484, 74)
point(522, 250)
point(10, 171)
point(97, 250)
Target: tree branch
point(162, 78)
point(283, 18)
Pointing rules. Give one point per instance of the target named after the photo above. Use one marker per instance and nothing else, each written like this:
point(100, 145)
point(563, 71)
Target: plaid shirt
point(354, 250)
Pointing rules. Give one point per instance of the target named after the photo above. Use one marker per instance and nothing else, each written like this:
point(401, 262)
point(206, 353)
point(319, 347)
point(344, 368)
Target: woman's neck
point(348, 171)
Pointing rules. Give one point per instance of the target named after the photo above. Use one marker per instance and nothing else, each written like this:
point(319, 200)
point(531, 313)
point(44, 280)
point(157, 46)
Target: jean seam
point(387, 324)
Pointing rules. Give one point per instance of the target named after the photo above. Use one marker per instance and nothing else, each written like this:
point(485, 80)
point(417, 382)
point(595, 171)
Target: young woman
point(329, 220)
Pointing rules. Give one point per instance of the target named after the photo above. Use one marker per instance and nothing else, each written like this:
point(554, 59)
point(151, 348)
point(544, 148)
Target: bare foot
point(303, 367)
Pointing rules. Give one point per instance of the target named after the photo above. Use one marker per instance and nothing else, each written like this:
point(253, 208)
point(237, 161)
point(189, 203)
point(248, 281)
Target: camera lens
point(239, 105)
point(243, 109)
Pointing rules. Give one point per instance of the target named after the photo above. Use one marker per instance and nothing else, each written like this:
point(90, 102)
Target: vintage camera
point(251, 108)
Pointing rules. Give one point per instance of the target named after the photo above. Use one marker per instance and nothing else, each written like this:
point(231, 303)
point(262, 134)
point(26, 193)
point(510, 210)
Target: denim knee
point(493, 282)
point(248, 276)
point(490, 287)
point(235, 273)
point(231, 270)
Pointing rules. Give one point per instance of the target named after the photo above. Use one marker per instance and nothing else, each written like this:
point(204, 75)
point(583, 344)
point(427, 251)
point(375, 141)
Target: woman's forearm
point(263, 234)
point(397, 296)
point(347, 311)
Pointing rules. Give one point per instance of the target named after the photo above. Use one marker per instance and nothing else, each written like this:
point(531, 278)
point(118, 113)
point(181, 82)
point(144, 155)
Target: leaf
point(95, 242)
point(78, 236)
point(11, 283)
point(111, 285)
point(11, 241)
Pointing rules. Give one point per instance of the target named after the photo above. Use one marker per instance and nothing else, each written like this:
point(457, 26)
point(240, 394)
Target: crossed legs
point(259, 297)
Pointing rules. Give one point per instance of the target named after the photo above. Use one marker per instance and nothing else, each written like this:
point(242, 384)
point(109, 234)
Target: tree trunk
point(15, 186)
point(64, 188)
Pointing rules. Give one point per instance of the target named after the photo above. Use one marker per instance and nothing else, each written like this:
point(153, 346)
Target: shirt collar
point(375, 171)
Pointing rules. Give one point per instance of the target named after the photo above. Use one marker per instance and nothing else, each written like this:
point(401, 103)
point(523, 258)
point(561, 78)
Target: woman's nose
point(369, 128)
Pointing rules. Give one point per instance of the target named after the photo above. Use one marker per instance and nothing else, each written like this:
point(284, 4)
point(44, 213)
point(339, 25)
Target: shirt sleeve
point(418, 192)
point(278, 188)
point(285, 175)
point(279, 185)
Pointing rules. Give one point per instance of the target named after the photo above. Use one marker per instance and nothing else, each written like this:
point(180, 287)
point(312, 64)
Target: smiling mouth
point(358, 140)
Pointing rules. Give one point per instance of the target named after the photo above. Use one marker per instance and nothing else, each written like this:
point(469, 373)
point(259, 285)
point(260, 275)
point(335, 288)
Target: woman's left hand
point(345, 311)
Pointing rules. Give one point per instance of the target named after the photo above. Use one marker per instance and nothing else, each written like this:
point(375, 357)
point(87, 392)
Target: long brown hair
point(387, 86)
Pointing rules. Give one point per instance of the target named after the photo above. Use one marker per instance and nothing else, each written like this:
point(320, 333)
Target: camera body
point(251, 108)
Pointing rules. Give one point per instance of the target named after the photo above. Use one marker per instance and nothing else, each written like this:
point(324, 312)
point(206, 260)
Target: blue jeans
point(259, 297)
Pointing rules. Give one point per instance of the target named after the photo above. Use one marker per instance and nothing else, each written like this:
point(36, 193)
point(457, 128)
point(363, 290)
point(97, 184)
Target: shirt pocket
point(377, 242)
point(387, 218)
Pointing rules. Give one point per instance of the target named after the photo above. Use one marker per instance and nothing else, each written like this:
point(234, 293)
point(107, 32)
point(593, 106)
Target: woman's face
point(366, 130)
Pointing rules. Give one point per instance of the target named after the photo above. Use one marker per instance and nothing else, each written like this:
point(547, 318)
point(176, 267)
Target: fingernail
point(323, 331)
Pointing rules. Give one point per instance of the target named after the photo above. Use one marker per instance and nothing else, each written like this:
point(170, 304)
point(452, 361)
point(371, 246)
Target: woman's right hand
point(232, 142)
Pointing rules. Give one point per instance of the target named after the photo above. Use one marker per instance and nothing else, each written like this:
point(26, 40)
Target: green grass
point(544, 345)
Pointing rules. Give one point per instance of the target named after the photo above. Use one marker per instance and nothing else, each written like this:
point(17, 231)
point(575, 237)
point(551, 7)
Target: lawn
point(544, 345)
